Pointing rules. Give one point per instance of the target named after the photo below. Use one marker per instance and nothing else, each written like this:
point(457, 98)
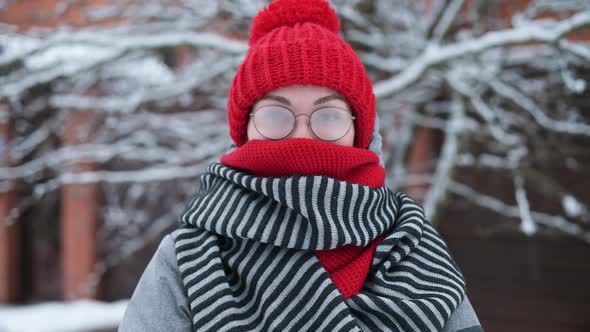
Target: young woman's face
point(305, 99)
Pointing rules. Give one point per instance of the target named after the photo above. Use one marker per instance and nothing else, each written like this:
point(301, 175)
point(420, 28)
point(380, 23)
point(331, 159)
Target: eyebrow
point(321, 100)
point(328, 98)
point(277, 98)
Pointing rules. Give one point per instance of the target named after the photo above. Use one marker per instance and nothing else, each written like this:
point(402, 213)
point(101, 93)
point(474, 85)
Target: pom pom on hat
point(291, 12)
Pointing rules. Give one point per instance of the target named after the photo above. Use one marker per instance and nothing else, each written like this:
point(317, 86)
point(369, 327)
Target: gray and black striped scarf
point(246, 256)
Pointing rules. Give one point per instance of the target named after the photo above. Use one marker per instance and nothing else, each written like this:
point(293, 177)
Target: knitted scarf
point(315, 249)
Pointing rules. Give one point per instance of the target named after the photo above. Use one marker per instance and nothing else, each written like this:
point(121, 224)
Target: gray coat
point(160, 303)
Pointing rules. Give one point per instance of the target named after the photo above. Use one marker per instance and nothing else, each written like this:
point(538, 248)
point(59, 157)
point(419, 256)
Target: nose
point(302, 127)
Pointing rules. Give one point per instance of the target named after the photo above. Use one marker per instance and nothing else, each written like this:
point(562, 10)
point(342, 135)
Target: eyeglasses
point(327, 123)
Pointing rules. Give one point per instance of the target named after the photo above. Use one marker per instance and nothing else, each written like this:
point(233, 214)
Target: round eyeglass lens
point(274, 122)
point(330, 123)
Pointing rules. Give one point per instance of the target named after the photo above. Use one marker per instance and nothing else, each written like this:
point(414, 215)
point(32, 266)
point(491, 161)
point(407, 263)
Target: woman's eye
point(281, 117)
point(328, 117)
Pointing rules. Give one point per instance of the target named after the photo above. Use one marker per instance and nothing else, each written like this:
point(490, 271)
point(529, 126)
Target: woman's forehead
point(303, 93)
point(303, 88)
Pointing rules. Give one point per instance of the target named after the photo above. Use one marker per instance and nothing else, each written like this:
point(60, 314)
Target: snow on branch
point(102, 153)
point(551, 6)
point(128, 247)
point(400, 137)
point(190, 80)
point(576, 49)
point(434, 55)
point(552, 221)
point(448, 157)
point(69, 53)
point(527, 225)
point(478, 105)
point(446, 20)
point(120, 42)
point(154, 174)
point(467, 159)
point(15, 85)
point(526, 103)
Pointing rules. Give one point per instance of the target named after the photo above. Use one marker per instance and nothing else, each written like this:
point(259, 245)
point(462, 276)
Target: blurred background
point(110, 111)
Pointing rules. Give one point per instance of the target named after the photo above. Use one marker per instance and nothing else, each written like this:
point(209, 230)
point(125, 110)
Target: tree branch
point(434, 54)
point(569, 127)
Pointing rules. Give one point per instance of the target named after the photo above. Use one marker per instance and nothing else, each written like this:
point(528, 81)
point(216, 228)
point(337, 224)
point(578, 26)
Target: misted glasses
point(327, 123)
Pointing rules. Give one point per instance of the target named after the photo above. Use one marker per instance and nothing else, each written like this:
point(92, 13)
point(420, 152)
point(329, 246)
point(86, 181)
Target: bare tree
point(478, 78)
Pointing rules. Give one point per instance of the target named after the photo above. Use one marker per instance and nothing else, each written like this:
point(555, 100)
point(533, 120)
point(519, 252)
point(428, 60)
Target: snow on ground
point(74, 316)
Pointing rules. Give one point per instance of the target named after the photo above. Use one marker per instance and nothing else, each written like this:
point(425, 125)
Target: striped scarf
point(246, 256)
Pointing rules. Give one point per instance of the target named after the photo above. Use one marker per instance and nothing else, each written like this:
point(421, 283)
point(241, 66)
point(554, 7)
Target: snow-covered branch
point(490, 116)
point(434, 55)
point(189, 81)
point(552, 221)
point(569, 127)
point(576, 49)
point(69, 56)
point(155, 174)
point(446, 20)
point(448, 157)
point(120, 43)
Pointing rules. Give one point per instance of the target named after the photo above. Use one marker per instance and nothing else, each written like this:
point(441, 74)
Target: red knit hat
point(297, 42)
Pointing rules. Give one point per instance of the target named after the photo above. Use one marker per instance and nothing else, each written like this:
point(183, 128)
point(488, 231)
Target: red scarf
point(348, 265)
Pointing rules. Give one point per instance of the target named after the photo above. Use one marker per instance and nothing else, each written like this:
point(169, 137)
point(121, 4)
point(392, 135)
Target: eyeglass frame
point(352, 117)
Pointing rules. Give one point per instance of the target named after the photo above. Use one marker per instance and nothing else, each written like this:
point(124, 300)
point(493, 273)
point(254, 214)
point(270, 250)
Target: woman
point(294, 229)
